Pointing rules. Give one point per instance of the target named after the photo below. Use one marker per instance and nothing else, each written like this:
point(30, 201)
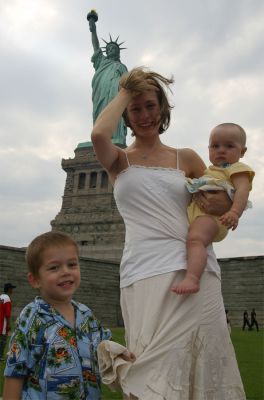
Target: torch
point(92, 15)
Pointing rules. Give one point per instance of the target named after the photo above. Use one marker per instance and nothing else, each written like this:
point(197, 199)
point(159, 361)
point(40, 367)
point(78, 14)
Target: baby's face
point(225, 146)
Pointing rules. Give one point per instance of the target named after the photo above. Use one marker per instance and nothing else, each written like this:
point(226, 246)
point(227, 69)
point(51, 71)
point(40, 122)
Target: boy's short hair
point(41, 243)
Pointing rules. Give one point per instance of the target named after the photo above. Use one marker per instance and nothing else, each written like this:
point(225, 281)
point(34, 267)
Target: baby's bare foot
point(190, 284)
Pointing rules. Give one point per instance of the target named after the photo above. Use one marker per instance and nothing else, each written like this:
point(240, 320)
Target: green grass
point(249, 347)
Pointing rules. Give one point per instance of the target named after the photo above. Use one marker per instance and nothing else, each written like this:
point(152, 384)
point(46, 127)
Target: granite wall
point(242, 285)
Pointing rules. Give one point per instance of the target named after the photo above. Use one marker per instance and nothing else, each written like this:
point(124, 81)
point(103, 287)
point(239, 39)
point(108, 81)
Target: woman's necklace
point(147, 152)
point(145, 156)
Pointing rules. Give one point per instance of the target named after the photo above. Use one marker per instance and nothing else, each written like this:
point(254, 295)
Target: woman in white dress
point(181, 343)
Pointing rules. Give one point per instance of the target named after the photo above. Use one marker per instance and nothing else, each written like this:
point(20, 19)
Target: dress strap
point(178, 159)
point(128, 163)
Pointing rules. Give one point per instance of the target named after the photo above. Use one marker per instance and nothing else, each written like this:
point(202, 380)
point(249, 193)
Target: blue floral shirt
point(56, 361)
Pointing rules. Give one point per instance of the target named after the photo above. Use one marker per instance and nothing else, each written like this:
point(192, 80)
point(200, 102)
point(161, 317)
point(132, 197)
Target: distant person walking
point(246, 320)
point(5, 316)
point(253, 321)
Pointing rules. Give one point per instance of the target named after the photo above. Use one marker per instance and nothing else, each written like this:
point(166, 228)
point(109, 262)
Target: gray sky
point(213, 48)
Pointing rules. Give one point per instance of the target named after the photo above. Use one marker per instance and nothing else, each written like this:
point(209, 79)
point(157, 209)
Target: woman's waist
point(140, 252)
point(156, 229)
point(159, 254)
point(143, 259)
point(137, 240)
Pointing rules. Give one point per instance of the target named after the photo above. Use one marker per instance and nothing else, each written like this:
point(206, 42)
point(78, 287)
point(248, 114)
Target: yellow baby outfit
point(216, 178)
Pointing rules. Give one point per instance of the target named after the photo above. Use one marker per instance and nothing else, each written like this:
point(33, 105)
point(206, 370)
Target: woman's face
point(143, 113)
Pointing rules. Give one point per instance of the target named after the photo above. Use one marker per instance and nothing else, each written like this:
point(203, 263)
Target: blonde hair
point(140, 80)
point(35, 250)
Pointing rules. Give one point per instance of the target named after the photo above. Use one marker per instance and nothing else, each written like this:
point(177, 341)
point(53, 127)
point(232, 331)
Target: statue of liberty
point(108, 70)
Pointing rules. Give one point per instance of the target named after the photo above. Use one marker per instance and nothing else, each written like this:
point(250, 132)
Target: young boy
point(227, 144)
point(53, 350)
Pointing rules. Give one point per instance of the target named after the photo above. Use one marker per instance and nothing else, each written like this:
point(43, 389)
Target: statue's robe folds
point(105, 87)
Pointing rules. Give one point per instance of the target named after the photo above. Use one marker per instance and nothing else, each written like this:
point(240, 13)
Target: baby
point(227, 144)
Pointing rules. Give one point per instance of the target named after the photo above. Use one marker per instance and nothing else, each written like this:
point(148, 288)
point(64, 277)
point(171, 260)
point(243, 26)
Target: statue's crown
point(115, 42)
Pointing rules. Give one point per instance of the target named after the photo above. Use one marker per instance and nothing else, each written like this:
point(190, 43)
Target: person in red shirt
point(5, 316)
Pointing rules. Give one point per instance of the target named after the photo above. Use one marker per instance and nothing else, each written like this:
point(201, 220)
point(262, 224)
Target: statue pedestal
point(90, 144)
point(84, 144)
point(89, 213)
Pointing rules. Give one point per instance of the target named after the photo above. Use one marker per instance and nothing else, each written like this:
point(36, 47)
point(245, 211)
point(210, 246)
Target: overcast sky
point(213, 48)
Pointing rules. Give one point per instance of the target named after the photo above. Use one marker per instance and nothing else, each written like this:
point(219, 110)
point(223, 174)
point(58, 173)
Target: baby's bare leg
point(201, 233)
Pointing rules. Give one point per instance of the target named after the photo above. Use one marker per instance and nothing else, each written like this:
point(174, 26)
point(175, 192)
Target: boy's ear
point(33, 281)
point(243, 151)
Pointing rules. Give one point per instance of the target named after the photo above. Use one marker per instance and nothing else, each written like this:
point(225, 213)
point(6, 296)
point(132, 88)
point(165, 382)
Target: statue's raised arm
point(92, 17)
point(108, 70)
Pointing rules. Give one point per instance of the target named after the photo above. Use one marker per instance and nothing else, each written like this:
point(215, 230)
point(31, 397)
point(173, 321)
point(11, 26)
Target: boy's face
point(225, 146)
point(59, 274)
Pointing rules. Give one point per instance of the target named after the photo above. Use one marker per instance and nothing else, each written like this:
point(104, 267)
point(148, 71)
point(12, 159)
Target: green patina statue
point(108, 70)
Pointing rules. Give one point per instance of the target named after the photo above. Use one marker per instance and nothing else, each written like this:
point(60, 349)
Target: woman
point(181, 343)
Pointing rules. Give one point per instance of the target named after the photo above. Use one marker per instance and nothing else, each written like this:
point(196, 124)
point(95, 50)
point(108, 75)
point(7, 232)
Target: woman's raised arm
point(104, 127)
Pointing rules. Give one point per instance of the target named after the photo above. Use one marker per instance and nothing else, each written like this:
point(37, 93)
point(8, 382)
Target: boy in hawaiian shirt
point(53, 350)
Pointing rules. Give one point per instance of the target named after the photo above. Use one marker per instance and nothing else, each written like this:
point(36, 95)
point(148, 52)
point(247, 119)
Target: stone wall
point(242, 285)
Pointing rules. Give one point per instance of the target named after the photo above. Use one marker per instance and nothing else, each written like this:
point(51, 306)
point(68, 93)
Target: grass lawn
point(249, 347)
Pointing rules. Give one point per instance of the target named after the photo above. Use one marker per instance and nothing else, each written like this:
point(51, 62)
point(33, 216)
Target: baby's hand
point(128, 356)
point(229, 219)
